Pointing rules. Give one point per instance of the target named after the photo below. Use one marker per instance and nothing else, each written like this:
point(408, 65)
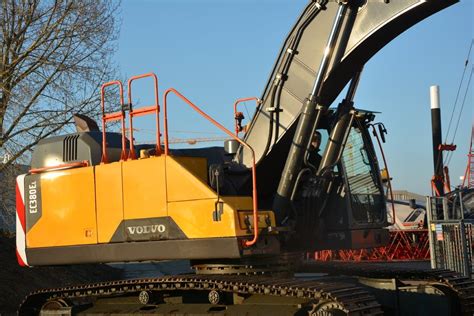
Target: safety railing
point(404, 245)
point(238, 116)
point(452, 246)
point(115, 116)
point(451, 235)
point(225, 130)
point(145, 110)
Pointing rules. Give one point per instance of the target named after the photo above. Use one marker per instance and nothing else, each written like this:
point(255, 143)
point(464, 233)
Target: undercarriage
point(312, 288)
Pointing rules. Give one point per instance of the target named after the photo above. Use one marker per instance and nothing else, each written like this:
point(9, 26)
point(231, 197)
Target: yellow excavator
point(243, 214)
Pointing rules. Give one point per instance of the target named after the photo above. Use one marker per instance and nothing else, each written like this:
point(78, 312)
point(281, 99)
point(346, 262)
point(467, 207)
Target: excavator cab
point(362, 177)
point(351, 212)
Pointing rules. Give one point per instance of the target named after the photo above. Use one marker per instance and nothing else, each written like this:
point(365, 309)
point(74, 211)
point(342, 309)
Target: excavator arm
point(366, 26)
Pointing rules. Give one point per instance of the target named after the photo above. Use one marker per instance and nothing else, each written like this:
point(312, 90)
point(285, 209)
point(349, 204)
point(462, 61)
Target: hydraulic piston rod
point(310, 116)
point(340, 130)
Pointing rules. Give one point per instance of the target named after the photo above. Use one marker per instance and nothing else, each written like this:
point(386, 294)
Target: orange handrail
point(155, 108)
point(112, 117)
point(77, 164)
point(247, 243)
point(257, 100)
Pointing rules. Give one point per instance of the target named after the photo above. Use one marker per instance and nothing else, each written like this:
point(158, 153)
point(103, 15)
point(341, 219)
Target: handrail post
point(76, 164)
point(257, 101)
point(247, 243)
point(155, 108)
point(112, 117)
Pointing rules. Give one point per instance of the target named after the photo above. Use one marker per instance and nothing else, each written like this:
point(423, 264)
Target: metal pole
point(437, 139)
point(430, 233)
point(446, 216)
point(466, 261)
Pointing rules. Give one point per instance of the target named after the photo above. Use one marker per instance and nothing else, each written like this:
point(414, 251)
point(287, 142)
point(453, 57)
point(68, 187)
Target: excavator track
point(460, 286)
point(258, 294)
point(308, 297)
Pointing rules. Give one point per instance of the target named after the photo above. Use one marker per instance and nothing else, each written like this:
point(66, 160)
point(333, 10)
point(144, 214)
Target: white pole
point(434, 96)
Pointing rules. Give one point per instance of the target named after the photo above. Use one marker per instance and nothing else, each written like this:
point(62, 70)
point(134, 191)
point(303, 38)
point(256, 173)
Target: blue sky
point(217, 51)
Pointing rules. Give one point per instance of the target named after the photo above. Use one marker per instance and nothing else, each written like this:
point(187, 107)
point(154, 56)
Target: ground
point(16, 282)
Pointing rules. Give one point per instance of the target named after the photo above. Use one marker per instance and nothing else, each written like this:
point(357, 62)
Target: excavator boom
point(367, 26)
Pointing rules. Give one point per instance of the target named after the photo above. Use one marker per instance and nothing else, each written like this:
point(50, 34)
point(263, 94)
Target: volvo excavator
point(244, 214)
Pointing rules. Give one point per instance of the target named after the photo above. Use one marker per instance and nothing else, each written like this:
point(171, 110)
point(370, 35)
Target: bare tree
point(54, 55)
point(7, 197)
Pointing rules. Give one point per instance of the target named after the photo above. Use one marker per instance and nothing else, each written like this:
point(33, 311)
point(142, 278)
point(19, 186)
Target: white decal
point(148, 229)
point(32, 200)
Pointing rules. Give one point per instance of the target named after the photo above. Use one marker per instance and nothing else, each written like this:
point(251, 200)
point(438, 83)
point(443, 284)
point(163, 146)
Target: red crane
point(469, 175)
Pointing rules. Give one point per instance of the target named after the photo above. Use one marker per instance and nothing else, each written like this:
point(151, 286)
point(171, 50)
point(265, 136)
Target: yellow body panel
point(196, 165)
point(238, 203)
point(196, 221)
point(191, 202)
point(68, 210)
point(75, 200)
point(183, 185)
point(109, 199)
point(144, 188)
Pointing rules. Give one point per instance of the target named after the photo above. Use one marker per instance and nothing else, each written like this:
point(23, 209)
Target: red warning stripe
point(20, 208)
point(20, 260)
